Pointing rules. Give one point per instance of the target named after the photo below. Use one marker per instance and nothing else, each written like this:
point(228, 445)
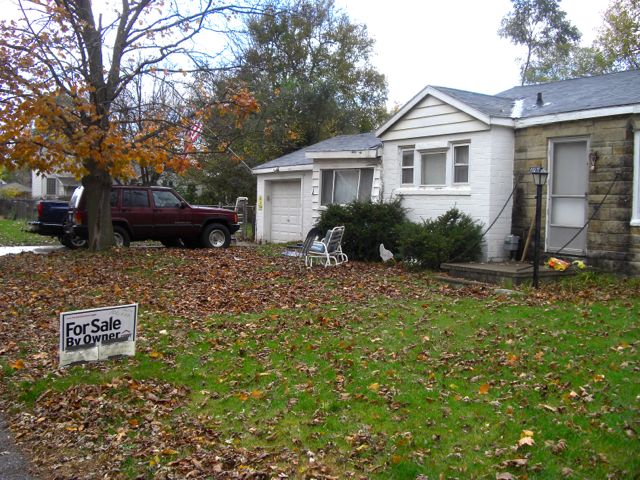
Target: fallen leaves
point(17, 364)
point(340, 372)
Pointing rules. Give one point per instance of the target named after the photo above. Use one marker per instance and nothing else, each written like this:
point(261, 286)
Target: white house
point(52, 186)
point(451, 148)
point(435, 153)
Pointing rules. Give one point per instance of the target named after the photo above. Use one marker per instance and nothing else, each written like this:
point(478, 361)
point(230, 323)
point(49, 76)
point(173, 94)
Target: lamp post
point(539, 179)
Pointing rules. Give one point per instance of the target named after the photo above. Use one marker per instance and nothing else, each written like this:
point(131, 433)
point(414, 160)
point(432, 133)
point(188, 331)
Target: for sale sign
point(97, 334)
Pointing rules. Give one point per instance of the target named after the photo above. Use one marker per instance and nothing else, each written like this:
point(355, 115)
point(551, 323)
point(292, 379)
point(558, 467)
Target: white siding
point(431, 117)
point(38, 185)
point(490, 181)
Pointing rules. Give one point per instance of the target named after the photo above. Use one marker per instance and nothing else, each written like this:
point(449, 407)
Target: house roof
point(68, 181)
point(621, 89)
point(341, 143)
point(15, 186)
point(488, 104)
point(587, 93)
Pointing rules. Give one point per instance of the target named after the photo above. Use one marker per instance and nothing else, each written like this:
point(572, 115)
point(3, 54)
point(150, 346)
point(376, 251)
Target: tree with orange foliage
point(65, 66)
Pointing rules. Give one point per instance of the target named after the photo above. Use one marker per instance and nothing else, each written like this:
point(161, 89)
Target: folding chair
point(326, 252)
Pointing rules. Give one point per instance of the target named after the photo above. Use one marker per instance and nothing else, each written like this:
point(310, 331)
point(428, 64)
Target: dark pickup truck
point(157, 213)
point(52, 215)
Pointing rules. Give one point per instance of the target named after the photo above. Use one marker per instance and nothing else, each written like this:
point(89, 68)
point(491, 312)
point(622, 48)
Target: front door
point(567, 197)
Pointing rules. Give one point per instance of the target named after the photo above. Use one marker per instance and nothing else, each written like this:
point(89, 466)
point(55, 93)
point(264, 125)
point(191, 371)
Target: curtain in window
point(326, 195)
point(346, 186)
point(434, 168)
point(366, 184)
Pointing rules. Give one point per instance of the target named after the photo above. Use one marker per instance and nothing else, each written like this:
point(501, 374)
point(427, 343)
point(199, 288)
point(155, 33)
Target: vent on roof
point(539, 101)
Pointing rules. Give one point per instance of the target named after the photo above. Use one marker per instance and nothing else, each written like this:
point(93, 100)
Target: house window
point(346, 185)
point(434, 168)
point(407, 167)
point(461, 164)
point(52, 186)
point(635, 214)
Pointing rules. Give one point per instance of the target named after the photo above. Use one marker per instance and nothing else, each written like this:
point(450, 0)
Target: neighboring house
point(52, 185)
point(449, 148)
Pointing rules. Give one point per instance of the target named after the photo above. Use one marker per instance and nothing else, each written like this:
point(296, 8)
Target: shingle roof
point(487, 104)
point(341, 143)
point(587, 93)
point(290, 159)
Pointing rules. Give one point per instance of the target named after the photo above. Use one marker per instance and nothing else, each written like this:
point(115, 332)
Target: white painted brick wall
point(490, 183)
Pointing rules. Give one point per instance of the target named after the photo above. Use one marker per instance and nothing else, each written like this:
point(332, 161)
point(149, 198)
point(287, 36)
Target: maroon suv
point(157, 213)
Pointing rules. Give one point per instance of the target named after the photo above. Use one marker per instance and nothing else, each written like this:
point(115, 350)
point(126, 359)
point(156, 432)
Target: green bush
point(454, 236)
point(367, 225)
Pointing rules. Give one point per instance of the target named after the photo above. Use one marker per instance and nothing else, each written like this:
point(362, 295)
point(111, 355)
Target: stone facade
point(612, 243)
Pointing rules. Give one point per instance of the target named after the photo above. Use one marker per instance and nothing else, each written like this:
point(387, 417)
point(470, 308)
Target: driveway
point(36, 249)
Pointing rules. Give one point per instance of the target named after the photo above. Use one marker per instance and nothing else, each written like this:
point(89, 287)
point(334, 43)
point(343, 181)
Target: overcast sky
point(451, 43)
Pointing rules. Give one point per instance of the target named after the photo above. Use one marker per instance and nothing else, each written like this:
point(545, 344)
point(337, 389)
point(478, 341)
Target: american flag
point(194, 132)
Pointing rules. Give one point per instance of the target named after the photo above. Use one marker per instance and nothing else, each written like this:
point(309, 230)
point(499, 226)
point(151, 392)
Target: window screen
point(407, 166)
point(461, 164)
point(52, 183)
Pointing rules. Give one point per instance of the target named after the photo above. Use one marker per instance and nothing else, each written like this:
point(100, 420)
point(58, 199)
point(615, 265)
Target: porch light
point(539, 175)
point(539, 179)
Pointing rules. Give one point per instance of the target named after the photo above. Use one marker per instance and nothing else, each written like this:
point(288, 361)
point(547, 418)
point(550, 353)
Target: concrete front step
point(507, 274)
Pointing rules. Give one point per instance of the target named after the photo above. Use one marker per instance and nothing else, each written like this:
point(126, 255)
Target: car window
point(164, 199)
point(113, 198)
point(135, 198)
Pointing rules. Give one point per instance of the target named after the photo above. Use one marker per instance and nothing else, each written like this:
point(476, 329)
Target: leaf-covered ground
point(249, 367)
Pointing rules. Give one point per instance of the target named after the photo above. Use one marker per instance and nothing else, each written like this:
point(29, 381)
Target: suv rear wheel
point(216, 236)
point(120, 237)
point(73, 241)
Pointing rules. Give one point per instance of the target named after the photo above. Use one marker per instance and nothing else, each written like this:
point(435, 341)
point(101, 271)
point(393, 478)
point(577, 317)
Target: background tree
point(63, 68)
point(542, 28)
point(309, 67)
point(619, 37)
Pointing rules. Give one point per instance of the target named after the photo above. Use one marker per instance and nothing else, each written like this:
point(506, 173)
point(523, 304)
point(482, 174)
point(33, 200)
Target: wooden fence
point(18, 208)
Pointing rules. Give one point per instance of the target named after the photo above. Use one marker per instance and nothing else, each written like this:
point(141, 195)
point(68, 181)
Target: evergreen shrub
point(367, 225)
point(453, 236)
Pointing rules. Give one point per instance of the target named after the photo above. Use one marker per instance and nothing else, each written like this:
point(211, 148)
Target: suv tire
point(215, 235)
point(73, 241)
point(121, 237)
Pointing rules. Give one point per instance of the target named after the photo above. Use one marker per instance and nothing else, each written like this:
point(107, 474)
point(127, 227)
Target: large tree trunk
point(97, 190)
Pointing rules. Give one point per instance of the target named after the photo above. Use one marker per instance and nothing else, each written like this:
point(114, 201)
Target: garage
point(286, 211)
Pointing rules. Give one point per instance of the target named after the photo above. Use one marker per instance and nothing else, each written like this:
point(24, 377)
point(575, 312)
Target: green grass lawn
point(356, 372)
point(14, 232)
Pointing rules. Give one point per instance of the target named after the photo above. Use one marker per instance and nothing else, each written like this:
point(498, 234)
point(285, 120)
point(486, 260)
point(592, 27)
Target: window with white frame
point(52, 186)
point(460, 163)
point(407, 166)
point(434, 168)
point(346, 185)
point(438, 166)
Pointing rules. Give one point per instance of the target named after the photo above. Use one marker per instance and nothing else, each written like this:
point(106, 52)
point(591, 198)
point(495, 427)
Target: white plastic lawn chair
point(326, 252)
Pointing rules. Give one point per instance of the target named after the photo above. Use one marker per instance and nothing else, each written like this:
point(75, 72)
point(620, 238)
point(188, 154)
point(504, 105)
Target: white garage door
point(286, 218)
